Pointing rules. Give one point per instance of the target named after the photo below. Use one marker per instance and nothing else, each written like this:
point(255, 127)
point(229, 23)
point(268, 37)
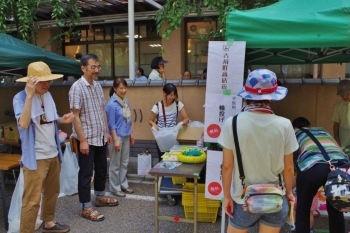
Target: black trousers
point(308, 183)
point(160, 154)
point(96, 159)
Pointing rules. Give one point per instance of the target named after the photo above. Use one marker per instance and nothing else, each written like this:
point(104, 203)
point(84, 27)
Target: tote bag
point(144, 164)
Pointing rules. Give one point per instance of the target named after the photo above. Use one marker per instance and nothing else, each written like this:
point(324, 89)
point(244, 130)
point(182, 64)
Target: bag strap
point(158, 111)
point(177, 110)
point(163, 110)
point(313, 138)
point(239, 156)
point(238, 150)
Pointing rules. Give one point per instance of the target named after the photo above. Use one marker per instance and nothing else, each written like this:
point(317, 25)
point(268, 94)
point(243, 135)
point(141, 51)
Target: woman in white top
point(267, 143)
point(165, 112)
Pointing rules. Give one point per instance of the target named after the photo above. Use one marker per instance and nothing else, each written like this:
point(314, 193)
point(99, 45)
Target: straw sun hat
point(41, 70)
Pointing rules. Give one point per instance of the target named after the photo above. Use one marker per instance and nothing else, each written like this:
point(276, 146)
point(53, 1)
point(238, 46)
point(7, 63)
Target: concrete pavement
point(135, 213)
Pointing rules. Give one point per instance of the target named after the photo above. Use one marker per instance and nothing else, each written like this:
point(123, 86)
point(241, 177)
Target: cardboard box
point(11, 134)
point(190, 135)
point(2, 133)
point(2, 129)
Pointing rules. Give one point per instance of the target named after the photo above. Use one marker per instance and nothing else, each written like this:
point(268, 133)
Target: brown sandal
point(92, 215)
point(106, 201)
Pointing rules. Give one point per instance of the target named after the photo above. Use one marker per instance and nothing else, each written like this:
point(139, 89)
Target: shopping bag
point(195, 124)
point(14, 215)
point(69, 172)
point(144, 164)
point(166, 137)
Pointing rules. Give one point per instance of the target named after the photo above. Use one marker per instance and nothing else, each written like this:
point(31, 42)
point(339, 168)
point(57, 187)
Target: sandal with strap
point(92, 215)
point(106, 201)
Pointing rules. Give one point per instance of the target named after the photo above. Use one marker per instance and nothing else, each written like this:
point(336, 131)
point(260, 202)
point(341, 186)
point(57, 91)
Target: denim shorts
point(244, 219)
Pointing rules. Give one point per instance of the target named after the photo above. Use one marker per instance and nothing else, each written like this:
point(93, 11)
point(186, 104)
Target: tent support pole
point(315, 73)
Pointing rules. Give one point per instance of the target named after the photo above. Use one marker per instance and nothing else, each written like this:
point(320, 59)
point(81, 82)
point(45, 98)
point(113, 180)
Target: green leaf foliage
point(21, 14)
point(169, 18)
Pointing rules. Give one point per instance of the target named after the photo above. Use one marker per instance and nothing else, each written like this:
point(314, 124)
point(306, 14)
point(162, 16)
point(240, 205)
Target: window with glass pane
point(288, 71)
point(152, 32)
point(143, 32)
point(76, 36)
point(71, 50)
point(197, 49)
point(99, 33)
point(148, 50)
point(103, 51)
point(121, 59)
point(93, 38)
point(121, 32)
point(108, 33)
point(347, 71)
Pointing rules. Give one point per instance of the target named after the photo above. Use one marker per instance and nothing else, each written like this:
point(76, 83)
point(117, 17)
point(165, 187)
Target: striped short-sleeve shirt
point(90, 100)
point(309, 154)
point(171, 113)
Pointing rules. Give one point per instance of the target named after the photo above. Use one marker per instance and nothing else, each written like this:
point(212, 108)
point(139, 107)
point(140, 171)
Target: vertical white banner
point(213, 176)
point(224, 80)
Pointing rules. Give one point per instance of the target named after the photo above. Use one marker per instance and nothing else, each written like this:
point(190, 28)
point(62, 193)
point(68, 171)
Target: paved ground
point(135, 214)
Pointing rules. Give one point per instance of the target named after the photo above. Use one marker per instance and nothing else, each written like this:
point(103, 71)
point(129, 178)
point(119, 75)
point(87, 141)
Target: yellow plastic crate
point(178, 180)
point(204, 213)
point(207, 209)
point(188, 196)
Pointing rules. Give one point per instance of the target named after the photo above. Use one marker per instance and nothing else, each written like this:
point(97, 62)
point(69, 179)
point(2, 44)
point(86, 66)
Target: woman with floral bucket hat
point(267, 143)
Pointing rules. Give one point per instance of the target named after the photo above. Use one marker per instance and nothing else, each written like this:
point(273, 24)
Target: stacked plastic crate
point(207, 209)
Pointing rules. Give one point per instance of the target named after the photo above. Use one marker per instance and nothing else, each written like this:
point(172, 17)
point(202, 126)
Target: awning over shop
point(16, 55)
point(294, 32)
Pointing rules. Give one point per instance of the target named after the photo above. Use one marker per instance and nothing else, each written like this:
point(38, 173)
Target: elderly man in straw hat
point(267, 143)
point(37, 121)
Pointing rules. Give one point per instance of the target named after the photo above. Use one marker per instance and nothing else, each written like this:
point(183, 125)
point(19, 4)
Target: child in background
point(312, 209)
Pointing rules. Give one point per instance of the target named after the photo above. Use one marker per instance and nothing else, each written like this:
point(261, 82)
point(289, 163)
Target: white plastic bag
point(144, 164)
point(69, 172)
point(196, 124)
point(14, 215)
point(166, 137)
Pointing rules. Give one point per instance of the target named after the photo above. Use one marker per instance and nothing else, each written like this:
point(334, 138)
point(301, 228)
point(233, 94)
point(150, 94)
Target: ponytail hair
point(111, 92)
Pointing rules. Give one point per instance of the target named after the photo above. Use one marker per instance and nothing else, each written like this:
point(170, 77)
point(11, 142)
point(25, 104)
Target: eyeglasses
point(94, 67)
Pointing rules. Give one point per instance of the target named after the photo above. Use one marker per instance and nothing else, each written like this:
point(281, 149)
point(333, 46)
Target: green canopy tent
point(16, 55)
point(294, 32)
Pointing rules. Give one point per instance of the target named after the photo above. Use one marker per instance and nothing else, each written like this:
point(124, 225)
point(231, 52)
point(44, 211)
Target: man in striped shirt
point(87, 102)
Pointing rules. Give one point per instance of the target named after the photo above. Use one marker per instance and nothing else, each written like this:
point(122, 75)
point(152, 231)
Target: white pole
point(315, 73)
point(223, 219)
point(131, 25)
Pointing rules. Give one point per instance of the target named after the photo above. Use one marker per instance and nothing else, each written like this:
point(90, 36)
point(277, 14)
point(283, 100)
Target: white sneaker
point(119, 194)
